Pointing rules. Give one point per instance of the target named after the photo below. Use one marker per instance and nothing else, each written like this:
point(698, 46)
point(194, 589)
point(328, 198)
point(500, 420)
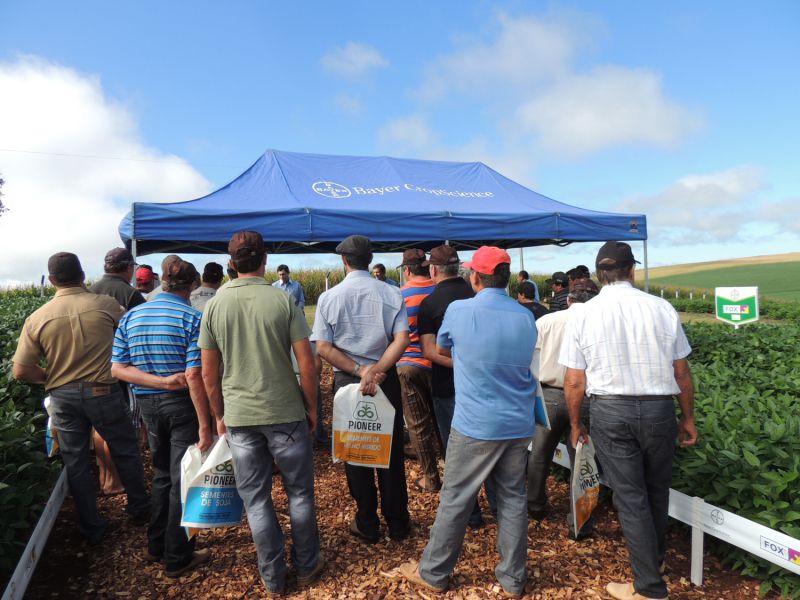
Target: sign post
point(737, 305)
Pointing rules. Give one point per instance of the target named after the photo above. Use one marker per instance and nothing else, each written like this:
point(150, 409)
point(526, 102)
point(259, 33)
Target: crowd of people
point(456, 356)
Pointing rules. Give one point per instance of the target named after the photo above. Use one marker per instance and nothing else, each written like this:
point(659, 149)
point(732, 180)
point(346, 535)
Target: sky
point(683, 111)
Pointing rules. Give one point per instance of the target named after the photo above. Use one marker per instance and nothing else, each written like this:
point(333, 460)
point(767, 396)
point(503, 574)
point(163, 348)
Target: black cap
point(65, 267)
point(355, 244)
point(527, 289)
point(613, 255)
point(212, 272)
point(118, 257)
point(559, 277)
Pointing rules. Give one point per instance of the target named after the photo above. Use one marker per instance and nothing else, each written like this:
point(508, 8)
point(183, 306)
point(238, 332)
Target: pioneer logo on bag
point(362, 428)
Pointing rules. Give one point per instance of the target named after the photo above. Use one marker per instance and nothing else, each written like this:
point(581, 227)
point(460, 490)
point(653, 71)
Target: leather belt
point(631, 398)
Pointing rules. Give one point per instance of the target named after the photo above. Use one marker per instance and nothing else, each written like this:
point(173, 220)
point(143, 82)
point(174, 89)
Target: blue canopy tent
point(309, 202)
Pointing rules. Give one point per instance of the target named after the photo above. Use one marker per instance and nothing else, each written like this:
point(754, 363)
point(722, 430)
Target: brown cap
point(180, 275)
point(613, 255)
point(246, 243)
point(64, 267)
point(442, 255)
point(355, 244)
point(413, 256)
point(578, 286)
point(118, 257)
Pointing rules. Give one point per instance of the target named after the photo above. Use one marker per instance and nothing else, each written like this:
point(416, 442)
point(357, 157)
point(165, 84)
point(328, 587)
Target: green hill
point(779, 280)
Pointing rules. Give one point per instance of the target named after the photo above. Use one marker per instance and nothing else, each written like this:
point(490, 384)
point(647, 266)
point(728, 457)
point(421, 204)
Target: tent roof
point(310, 202)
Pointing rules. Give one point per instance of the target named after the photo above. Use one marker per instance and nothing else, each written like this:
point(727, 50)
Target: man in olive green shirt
point(250, 327)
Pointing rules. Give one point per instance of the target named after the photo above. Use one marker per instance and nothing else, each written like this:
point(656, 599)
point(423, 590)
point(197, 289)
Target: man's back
point(626, 340)
point(253, 325)
point(359, 316)
point(120, 290)
point(75, 331)
point(492, 339)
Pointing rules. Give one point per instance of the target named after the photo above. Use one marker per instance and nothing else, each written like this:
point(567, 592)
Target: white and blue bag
point(50, 432)
point(208, 488)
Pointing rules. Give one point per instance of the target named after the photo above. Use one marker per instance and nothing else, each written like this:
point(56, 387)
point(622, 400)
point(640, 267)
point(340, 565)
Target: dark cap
point(527, 289)
point(413, 256)
point(212, 272)
point(583, 285)
point(559, 277)
point(355, 244)
point(442, 255)
point(65, 267)
point(613, 255)
point(118, 257)
point(244, 244)
point(180, 275)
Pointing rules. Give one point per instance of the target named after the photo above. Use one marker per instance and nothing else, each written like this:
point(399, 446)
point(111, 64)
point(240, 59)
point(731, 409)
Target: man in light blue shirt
point(492, 424)
point(290, 286)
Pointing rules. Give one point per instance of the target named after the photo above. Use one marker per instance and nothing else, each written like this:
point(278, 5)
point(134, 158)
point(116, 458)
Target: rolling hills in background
point(777, 276)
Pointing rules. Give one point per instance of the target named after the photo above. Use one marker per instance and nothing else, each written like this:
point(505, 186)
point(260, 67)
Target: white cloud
point(353, 60)
point(349, 105)
point(701, 209)
point(410, 134)
point(68, 203)
point(608, 106)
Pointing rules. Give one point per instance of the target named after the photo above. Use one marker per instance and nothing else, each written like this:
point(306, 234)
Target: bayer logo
point(330, 189)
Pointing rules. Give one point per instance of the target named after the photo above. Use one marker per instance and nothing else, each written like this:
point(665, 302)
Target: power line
point(119, 158)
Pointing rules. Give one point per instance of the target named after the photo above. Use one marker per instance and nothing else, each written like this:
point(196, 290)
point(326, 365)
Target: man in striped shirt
point(155, 349)
point(626, 350)
point(414, 372)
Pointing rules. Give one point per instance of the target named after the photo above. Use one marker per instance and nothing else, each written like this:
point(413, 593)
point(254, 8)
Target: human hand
point(687, 432)
point(578, 434)
point(176, 381)
point(369, 386)
point(205, 441)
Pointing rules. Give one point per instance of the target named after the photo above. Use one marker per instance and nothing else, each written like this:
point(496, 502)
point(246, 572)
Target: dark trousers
point(545, 442)
point(635, 441)
point(172, 426)
point(77, 407)
point(391, 481)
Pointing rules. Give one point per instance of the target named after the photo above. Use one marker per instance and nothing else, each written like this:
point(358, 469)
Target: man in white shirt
point(212, 279)
point(627, 351)
point(550, 374)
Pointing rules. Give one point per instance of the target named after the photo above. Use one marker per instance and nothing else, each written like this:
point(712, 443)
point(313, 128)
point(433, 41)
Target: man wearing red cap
point(492, 424)
point(145, 279)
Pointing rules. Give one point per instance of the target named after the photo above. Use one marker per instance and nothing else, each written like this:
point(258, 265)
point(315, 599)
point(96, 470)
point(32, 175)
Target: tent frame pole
point(646, 269)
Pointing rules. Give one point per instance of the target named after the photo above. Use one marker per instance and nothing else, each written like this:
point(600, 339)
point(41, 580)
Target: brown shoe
point(313, 575)
point(625, 591)
point(152, 558)
point(370, 539)
point(410, 572)
point(200, 557)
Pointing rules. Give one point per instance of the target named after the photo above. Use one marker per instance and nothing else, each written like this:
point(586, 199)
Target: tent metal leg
point(646, 270)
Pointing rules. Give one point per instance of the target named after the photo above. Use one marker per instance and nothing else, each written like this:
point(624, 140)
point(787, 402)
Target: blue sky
point(685, 111)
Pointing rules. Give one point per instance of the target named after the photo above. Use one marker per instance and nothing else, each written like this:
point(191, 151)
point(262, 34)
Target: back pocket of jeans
point(614, 438)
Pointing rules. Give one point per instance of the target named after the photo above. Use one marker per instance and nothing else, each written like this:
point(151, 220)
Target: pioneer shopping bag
point(585, 484)
point(362, 428)
point(208, 488)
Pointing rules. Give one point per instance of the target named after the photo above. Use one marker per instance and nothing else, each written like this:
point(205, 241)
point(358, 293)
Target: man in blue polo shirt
point(155, 349)
point(492, 424)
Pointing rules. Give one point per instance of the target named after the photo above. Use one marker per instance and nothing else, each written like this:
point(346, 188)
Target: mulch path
point(558, 567)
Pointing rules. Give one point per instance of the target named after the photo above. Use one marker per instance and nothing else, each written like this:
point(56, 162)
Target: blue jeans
point(468, 464)
point(77, 407)
point(635, 441)
point(171, 423)
point(444, 407)
point(255, 448)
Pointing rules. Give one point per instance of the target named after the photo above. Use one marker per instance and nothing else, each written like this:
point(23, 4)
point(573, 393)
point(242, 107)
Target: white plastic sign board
point(736, 305)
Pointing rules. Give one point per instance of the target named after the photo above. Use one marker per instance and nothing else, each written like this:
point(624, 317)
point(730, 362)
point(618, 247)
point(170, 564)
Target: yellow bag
point(362, 428)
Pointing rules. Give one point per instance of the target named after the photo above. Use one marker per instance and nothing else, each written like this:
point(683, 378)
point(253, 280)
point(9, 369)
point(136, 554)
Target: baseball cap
point(486, 259)
point(118, 257)
point(180, 274)
point(64, 266)
point(413, 256)
point(144, 275)
point(354, 244)
point(559, 277)
point(212, 272)
point(246, 243)
point(442, 255)
point(527, 289)
point(614, 254)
